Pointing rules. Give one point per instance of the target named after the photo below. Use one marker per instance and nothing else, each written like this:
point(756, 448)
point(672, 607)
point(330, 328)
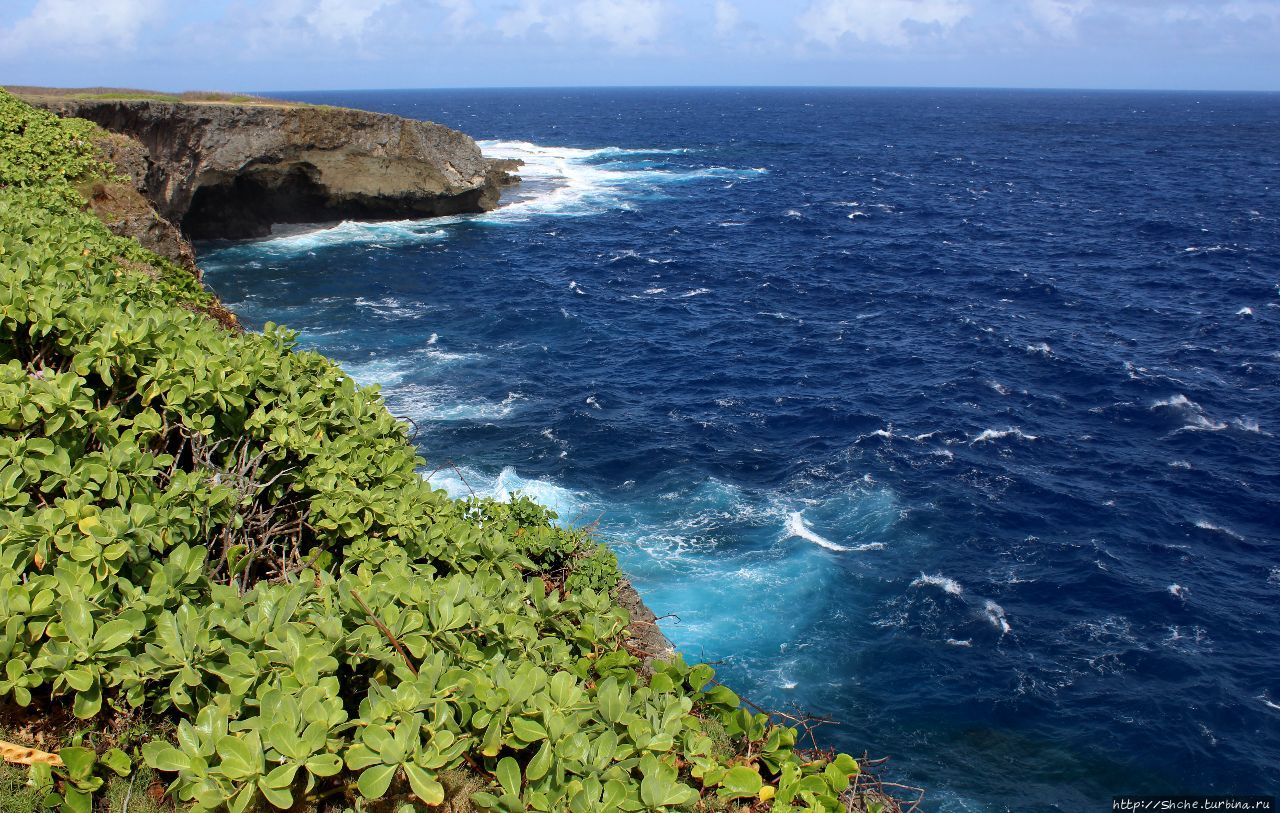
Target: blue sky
point(338, 44)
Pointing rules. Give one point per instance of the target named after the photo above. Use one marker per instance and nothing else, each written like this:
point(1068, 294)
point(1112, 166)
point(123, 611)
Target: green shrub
point(231, 534)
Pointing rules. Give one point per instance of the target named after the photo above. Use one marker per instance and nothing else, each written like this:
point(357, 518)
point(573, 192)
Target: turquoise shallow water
point(949, 414)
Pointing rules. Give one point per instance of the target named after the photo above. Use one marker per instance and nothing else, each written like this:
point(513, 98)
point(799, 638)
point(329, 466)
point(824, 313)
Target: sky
point(347, 44)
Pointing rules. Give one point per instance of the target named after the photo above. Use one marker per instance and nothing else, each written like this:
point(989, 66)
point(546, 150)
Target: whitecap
point(465, 482)
point(388, 307)
point(1000, 389)
point(576, 288)
point(573, 182)
point(436, 402)
point(1206, 525)
point(1040, 348)
point(988, 435)
point(381, 234)
point(1266, 701)
point(1178, 591)
point(797, 527)
point(1246, 311)
point(592, 402)
point(1248, 425)
point(1179, 464)
point(384, 372)
point(943, 583)
point(1199, 422)
point(957, 642)
point(696, 292)
point(995, 614)
point(655, 291)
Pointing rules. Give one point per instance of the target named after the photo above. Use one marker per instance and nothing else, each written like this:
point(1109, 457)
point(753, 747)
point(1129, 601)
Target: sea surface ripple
point(952, 415)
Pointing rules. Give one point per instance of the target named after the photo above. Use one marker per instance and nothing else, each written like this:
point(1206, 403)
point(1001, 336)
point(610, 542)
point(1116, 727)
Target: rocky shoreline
point(233, 170)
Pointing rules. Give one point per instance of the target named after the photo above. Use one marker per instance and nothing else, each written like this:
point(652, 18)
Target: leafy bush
point(234, 536)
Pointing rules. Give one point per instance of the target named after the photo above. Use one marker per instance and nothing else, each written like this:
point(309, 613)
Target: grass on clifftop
point(128, 94)
point(220, 566)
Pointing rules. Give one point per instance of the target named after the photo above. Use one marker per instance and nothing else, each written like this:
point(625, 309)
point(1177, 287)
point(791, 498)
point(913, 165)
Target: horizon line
point(1027, 88)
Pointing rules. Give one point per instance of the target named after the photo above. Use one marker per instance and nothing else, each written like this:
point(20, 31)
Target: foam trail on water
point(950, 586)
point(988, 435)
point(797, 527)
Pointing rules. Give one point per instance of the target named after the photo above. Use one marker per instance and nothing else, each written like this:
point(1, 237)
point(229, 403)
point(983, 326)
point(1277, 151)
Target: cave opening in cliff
point(249, 203)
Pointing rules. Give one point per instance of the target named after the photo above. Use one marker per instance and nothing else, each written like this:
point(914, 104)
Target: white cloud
point(893, 23)
point(461, 14)
point(625, 24)
point(518, 22)
point(78, 26)
point(343, 19)
point(1059, 17)
point(727, 18)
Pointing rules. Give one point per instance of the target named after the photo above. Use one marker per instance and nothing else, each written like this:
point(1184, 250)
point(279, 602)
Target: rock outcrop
point(120, 204)
point(224, 170)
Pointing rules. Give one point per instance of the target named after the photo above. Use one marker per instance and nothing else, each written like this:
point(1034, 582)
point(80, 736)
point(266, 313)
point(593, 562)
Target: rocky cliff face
point(234, 170)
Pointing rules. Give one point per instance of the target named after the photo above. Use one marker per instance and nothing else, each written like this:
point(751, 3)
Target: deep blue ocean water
point(950, 414)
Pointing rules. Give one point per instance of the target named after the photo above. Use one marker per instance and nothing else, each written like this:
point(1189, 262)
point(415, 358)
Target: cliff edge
point(233, 170)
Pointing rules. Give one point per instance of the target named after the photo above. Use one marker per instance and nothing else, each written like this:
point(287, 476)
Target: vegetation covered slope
point(230, 540)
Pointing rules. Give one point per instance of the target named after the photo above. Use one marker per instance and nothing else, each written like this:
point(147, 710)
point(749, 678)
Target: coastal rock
point(120, 204)
point(224, 170)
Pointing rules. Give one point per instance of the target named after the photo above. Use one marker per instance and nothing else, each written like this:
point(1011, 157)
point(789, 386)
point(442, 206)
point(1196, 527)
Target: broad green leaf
point(78, 761)
point(424, 785)
point(373, 782)
point(164, 757)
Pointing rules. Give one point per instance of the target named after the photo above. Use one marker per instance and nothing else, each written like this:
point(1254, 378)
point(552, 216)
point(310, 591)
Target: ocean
point(949, 415)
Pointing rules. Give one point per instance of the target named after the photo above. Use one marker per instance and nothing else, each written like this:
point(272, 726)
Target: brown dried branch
point(386, 631)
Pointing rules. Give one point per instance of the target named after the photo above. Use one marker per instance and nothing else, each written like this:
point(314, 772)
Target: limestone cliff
point(234, 170)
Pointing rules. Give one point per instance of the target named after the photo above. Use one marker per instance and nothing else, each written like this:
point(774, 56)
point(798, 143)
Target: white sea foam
point(593, 402)
point(387, 307)
point(1178, 591)
point(1248, 425)
point(1179, 464)
point(576, 288)
point(571, 181)
point(439, 402)
point(1206, 525)
point(1198, 421)
point(1266, 701)
point(957, 642)
point(998, 387)
point(655, 291)
point(988, 435)
point(995, 614)
point(943, 583)
point(1245, 311)
point(1040, 348)
point(466, 482)
point(382, 235)
point(797, 527)
point(384, 372)
point(695, 292)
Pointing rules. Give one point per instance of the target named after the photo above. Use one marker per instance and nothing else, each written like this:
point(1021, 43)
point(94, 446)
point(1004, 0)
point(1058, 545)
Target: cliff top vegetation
point(131, 94)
